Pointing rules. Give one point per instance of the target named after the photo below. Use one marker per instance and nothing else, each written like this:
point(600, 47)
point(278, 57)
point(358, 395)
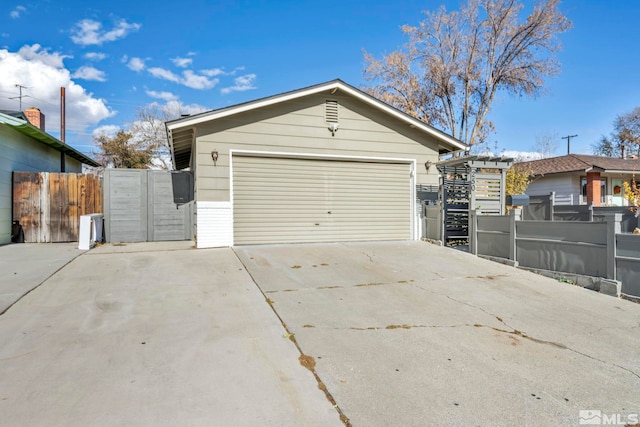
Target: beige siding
point(21, 153)
point(290, 200)
point(299, 127)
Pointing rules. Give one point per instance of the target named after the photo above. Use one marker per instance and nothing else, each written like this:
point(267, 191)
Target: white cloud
point(212, 72)
point(195, 81)
point(241, 84)
point(188, 78)
point(19, 10)
point(43, 73)
point(167, 96)
point(95, 56)
point(105, 130)
point(522, 156)
point(161, 73)
point(90, 32)
point(135, 64)
point(182, 62)
point(36, 53)
point(89, 73)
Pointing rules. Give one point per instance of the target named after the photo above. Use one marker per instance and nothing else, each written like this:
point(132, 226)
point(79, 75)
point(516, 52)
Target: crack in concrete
point(635, 374)
point(402, 326)
point(368, 256)
point(359, 285)
point(524, 335)
point(303, 358)
point(498, 318)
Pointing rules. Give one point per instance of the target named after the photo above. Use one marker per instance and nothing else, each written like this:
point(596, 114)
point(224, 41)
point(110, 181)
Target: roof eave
point(29, 130)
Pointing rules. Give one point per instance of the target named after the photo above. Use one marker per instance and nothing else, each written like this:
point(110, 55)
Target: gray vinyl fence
point(595, 248)
point(432, 227)
point(140, 206)
point(543, 208)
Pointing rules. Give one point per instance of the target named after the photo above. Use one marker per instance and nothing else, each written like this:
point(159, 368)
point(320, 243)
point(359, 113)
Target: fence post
point(473, 232)
point(613, 221)
point(516, 215)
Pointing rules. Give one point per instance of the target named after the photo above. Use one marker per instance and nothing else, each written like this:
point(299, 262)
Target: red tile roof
point(579, 163)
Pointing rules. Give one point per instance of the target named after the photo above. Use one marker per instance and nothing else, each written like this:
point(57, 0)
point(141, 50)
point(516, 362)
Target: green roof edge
point(39, 135)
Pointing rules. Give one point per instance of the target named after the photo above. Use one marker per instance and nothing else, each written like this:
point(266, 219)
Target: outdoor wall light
point(214, 156)
point(427, 165)
point(333, 128)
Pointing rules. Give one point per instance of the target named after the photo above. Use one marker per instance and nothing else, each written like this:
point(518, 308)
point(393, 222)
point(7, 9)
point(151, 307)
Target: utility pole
point(19, 86)
point(63, 121)
point(568, 138)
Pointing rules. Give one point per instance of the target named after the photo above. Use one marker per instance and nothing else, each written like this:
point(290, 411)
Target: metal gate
point(455, 205)
point(470, 183)
point(147, 205)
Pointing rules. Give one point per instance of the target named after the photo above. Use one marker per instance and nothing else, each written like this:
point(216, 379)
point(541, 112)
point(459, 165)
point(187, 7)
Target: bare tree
point(149, 130)
point(455, 62)
point(624, 139)
point(607, 147)
point(546, 144)
point(626, 128)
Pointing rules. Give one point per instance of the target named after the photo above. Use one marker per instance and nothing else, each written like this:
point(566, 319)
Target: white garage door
point(289, 200)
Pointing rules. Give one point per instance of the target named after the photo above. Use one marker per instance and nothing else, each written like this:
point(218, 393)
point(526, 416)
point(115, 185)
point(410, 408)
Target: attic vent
point(331, 111)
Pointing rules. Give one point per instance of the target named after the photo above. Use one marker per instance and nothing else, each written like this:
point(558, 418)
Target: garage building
point(321, 164)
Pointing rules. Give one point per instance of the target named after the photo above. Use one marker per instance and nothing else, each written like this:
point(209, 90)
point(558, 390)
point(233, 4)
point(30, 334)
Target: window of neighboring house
point(603, 189)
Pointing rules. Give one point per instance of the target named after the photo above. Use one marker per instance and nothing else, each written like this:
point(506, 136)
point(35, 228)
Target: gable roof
point(181, 135)
point(580, 163)
point(26, 128)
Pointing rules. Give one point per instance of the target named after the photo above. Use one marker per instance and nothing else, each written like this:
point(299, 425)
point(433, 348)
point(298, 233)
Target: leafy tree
point(517, 180)
point(455, 62)
point(122, 151)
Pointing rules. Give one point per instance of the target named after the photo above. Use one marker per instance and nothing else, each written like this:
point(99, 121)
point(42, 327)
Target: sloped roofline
point(28, 129)
point(456, 145)
point(580, 163)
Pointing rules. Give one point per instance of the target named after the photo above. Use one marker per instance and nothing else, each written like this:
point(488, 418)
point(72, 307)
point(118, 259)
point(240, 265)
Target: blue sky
point(114, 57)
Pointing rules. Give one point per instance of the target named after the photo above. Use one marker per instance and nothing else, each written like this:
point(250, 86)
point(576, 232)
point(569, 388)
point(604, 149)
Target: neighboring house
point(28, 148)
point(321, 164)
point(582, 179)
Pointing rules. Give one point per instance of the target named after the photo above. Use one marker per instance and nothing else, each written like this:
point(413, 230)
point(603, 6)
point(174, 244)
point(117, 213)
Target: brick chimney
point(35, 117)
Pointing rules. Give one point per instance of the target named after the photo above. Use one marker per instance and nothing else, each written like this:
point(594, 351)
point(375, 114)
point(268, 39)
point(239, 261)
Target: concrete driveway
point(25, 266)
point(412, 334)
point(399, 333)
point(152, 335)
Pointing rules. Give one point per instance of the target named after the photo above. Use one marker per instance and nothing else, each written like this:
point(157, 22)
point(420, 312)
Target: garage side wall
point(298, 127)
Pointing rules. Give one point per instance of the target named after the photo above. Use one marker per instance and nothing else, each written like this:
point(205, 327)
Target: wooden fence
point(48, 205)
